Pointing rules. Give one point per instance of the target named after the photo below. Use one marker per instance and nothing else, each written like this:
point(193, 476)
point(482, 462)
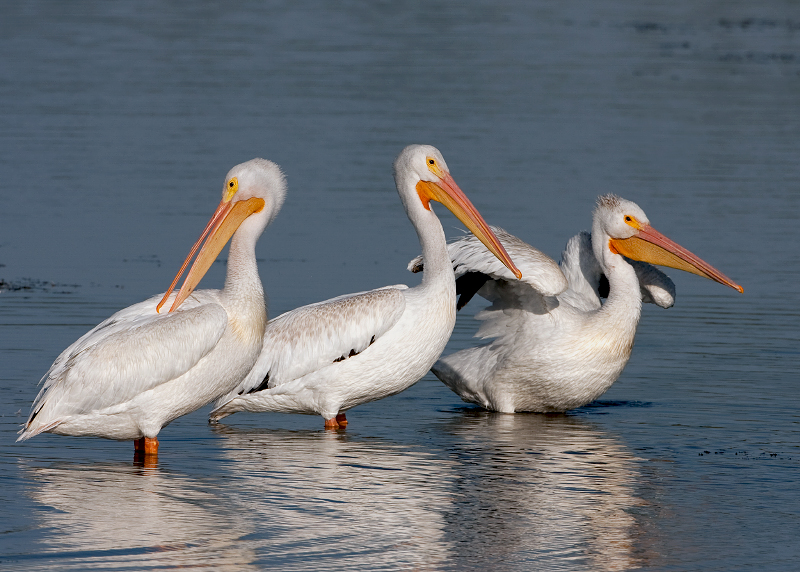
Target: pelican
point(144, 367)
point(327, 357)
point(556, 346)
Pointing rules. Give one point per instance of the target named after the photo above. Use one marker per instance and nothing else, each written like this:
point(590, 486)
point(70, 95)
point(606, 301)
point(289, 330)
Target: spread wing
point(657, 288)
point(479, 271)
point(588, 284)
point(133, 351)
point(309, 338)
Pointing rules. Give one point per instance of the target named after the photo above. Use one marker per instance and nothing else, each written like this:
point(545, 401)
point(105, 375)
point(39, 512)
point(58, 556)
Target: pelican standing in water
point(144, 367)
point(556, 345)
point(328, 357)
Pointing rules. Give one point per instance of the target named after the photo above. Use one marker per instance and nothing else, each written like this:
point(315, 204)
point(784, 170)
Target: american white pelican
point(328, 357)
point(142, 367)
point(556, 346)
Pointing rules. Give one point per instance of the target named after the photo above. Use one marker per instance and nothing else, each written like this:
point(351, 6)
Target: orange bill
point(224, 222)
point(653, 247)
point(448, 193)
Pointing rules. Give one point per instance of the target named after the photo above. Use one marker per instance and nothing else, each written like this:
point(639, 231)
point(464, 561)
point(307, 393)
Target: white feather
point(140, 369)
point(306, 339)
point(328, 357)
point(558, 350)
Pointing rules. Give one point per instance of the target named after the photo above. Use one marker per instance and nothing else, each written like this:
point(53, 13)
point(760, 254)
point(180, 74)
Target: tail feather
point(218, 414)
point(276, 400)
point(27, 432)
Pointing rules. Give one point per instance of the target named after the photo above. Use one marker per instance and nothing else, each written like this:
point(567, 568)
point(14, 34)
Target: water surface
point(118, 123)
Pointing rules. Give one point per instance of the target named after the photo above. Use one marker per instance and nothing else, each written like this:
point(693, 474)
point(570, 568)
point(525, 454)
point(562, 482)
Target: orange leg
point(146, 446)
point(331, 423)
point(341, 420)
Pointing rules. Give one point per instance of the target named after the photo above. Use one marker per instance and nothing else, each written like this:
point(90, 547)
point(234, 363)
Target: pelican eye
point(231, 187)
point(631, 221)
point(433, 167)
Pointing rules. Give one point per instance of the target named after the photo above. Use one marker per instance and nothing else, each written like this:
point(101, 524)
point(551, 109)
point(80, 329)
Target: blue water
point(118, 122)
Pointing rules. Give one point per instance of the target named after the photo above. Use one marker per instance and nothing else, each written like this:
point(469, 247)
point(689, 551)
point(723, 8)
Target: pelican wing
point(583, 272)
point(588, 284)
point(656, 287)
point(475, 268)
point(133, 351)
point(309, 338)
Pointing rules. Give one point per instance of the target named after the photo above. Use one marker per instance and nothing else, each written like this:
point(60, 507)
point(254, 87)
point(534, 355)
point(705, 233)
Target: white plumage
point(555, 344)
point(140, 369)
point(328, 357)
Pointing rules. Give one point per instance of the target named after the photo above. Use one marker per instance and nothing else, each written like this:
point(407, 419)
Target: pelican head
point(422, 176)
point(252, 195)
point(627, 232)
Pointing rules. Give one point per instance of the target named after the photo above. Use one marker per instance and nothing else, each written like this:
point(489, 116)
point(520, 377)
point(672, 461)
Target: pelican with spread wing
point(555, 345)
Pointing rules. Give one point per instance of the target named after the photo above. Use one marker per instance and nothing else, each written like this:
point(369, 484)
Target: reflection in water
point(123, 516)
point(552, 489)
point(324, 501)
point(478, 490)
point(507, 491)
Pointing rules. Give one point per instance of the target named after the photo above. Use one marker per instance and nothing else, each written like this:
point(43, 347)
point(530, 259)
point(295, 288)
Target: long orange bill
point(448, 193)
point(652, 246)
point(224, 222)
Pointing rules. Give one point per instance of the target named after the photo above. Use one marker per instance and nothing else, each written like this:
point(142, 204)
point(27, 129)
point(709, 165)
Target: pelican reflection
point(543, 488)
point(104, 514)
point(325, 500)
point(481, 490)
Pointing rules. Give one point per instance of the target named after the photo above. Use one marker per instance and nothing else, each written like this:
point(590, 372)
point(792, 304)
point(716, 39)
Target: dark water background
point(118, 122)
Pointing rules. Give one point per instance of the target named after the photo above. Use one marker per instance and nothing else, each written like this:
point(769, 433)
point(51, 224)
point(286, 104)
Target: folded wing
point(131, 352)
point(309, 338)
